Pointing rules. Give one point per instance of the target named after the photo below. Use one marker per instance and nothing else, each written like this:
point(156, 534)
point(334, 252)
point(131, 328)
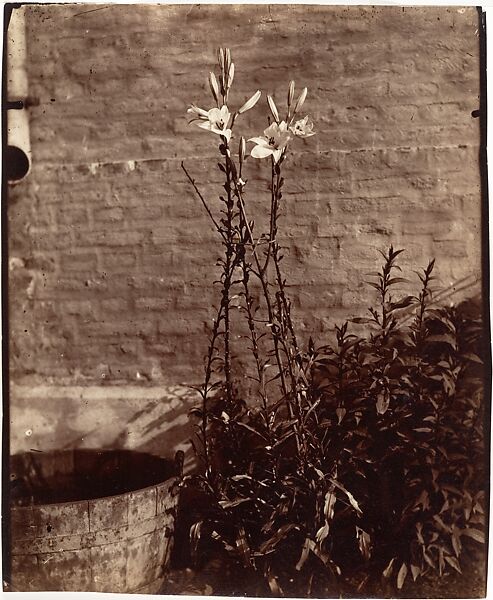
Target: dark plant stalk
point(272, 225)
point(284, 316)
point(228, 271)
point(275, 255)
point(250, 316)
point(264, 283)
point(423, 298)
point(284, 309)
point(202, 199)
point(204, 392)
point(229, 264)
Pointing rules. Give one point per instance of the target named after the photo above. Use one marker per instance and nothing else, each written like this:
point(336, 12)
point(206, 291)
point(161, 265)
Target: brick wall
point(110, 253)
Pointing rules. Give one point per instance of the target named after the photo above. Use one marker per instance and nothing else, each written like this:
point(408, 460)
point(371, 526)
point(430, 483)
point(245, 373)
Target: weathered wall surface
point(110, 252)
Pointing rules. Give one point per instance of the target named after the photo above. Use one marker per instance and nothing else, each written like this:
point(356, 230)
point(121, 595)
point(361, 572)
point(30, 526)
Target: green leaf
point(415, 571)
point(304, 554)
point(401, 576)
point(428, 559)
point(351, 498)
point(242, 545)
point(322, 533)
point(404, 303)
point(196, 412)
point(364, 543)
point(453, 562)
point(388, 569)
point(441, 524)
point(383, 401)
point(232, 503)
point(456, 543)
point(244, 425)
point(443, 338)
point(195, 531)
point(219, 538)
point(475, 534)
point(330, 500)
point(273, 584)
point(272, 542)
point(320, 554)
point(473, 357)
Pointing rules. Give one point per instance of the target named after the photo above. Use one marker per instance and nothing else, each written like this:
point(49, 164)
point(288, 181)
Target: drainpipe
point(18, 155)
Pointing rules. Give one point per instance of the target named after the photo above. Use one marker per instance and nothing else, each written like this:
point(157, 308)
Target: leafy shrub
point(349, 465)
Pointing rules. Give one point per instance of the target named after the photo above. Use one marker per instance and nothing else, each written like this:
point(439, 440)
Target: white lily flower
point(302, 128)
point(215, 120)
point(272, 143)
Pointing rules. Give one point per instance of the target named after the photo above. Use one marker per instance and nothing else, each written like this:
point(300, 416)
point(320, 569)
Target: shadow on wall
point(148, 419)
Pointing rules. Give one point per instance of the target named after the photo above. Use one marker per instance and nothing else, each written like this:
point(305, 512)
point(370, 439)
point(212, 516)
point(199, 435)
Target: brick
point(158, 304)
point(111, 231)
point(118, 261)
point(72, 216)
point(110, 238)
point(79, 262)
point(105, 215)
point(115, 305)
point(78, 307)
point(50, 240)
point(118, 328)
point(145, 213)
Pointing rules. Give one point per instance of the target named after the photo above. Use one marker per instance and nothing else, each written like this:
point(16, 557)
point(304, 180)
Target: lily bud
point(220, 58)
point(214, 86)
point(231, 74)
point(227, 58)
point(273, 108)
point(290, 93)
point(301, 100)
point(250, 103)
point(241, 151)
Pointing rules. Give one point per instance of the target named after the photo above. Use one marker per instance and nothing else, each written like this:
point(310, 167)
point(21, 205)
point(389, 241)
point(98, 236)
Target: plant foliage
point(350, 464)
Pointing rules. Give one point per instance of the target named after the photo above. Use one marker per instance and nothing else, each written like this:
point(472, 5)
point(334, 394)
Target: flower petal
point(261, 141)
point(224, 112)
point(198, 111)
point(277, 154)
point(205, 125)
point(261, 152)
point(273, 130)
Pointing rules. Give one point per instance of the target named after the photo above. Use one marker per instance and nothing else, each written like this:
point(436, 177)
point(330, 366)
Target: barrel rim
point(167, 481)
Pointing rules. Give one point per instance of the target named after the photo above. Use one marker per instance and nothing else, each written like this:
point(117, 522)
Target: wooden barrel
point(91, 520)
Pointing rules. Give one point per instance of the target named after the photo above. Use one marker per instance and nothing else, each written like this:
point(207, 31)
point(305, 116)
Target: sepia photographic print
point(245, 316)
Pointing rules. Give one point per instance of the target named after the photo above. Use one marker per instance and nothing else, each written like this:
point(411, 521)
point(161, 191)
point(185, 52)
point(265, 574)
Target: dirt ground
point(216, 579)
